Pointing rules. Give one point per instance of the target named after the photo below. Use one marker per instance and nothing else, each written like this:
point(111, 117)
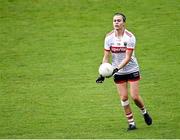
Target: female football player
point(120, 43)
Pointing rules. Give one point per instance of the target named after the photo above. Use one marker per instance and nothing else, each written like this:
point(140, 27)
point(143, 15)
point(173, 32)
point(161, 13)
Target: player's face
point(118, 22)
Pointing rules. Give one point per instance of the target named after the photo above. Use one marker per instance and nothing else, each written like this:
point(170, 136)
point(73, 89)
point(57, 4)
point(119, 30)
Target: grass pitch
point(50, 51)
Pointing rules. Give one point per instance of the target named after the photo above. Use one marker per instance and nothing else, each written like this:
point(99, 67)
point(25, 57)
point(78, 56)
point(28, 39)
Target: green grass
point(50, 51)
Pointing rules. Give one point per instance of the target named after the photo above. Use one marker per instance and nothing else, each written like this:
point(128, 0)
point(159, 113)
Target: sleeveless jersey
point(118, 47)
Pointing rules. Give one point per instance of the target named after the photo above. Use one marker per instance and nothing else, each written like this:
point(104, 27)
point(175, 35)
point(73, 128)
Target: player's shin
point(128, 112)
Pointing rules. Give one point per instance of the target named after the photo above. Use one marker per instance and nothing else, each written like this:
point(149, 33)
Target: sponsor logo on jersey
point(118, 49)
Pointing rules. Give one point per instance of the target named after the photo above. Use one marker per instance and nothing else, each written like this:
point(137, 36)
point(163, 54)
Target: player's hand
point(115, 70)
point(100, 79)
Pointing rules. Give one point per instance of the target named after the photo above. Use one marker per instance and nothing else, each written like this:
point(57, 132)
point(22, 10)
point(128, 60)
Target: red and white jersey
point(118, 47)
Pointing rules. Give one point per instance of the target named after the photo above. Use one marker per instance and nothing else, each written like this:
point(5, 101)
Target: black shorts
point(135, 76)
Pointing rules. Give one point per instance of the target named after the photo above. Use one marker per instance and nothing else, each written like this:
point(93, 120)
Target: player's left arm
point(129, 52)
point(126, 60)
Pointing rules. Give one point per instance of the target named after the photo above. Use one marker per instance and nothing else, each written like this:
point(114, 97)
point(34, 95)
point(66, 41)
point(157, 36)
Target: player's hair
point(121, 14)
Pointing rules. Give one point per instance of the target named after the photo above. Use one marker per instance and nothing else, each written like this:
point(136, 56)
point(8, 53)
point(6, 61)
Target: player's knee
point(124, 97)
point(135, 97)
point(124, 102)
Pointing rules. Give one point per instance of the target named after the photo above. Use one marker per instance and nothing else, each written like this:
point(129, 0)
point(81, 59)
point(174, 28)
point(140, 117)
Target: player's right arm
point(106, 50)
point(106, 56)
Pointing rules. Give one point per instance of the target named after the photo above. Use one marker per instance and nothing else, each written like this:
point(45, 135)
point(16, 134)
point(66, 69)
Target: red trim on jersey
point(130, 48)
point(129, 34)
